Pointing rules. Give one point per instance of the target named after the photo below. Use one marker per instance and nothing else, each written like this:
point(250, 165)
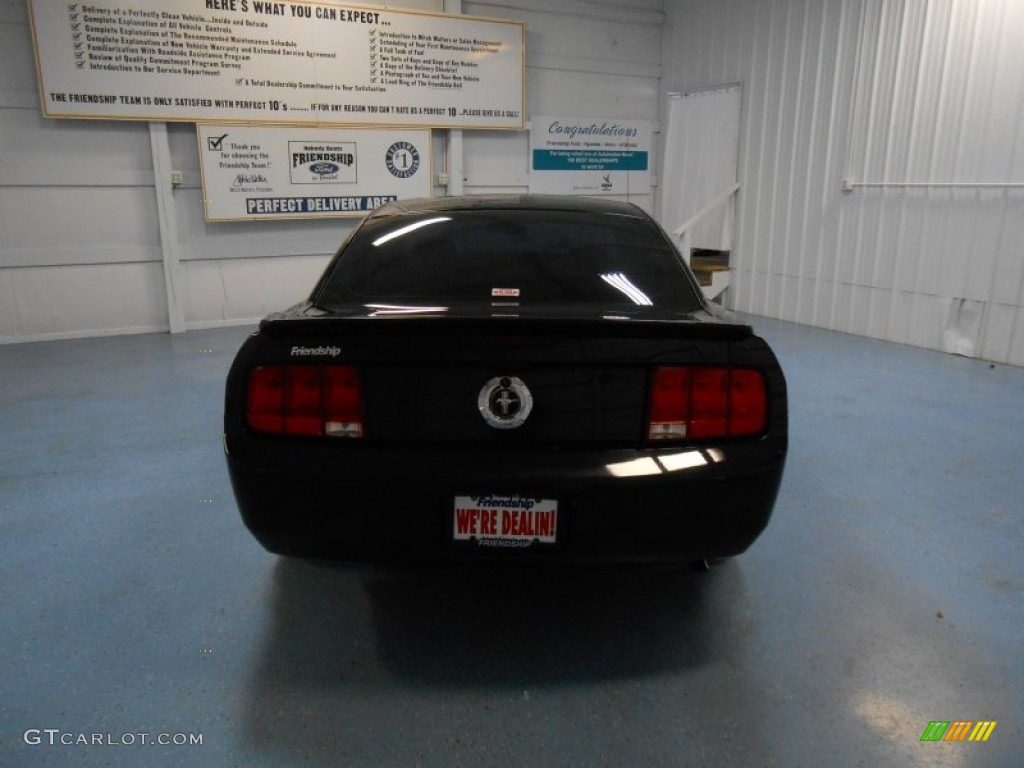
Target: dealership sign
point(259, 172)
point(584, 156)
point(298, 62)
point(322, 162)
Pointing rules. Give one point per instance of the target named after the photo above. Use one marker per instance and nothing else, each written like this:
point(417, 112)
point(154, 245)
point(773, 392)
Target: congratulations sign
point(276, 62)
point(571, 155)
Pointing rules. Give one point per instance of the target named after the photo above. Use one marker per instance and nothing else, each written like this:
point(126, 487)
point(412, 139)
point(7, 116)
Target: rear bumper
point(381, 504)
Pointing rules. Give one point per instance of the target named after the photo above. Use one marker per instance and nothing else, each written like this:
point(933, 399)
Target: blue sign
point(589, 160)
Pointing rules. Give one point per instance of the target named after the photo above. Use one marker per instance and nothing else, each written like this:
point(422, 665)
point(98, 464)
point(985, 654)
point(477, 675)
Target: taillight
point(701, 402)
point(305, 400)
point(343, 402)
point(265, 408)
point(670, 404)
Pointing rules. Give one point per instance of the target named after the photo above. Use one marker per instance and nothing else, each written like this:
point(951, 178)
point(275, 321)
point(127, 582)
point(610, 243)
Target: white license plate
point(505, 521)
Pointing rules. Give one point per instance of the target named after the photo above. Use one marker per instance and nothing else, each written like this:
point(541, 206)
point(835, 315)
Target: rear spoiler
point(698, 326)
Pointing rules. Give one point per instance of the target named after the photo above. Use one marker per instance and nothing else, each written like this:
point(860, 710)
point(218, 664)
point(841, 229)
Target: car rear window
point(527, 257)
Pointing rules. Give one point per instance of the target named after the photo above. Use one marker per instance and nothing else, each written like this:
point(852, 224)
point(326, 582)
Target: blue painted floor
point(887, 592)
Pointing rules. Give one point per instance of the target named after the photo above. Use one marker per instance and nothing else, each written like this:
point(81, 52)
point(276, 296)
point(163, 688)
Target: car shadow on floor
point(340, 626)
point(522, 627)
point(355, 653)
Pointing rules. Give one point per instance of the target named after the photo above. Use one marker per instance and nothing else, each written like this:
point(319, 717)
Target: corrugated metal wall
point(919, 92)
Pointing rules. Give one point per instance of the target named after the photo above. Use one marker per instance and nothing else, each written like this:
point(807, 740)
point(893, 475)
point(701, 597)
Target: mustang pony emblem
point(505, 402)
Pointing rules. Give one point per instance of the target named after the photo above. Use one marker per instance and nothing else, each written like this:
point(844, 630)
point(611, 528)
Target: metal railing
point(682, 232)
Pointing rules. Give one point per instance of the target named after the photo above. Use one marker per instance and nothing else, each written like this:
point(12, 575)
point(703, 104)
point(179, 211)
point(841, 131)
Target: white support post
point(453, 141)
point(167, 217)
point(453, 152)
point(727, 222)
point(684, 245)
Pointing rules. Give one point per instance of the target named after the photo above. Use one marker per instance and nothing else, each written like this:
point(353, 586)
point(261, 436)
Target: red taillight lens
point(709, 404)
point(265, 407)
point(702, 402)
point(305, 400)
point(748, 413)
point(302, 395)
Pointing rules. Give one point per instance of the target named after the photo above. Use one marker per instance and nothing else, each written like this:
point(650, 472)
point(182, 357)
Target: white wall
point(873, 90)
point(79, 240)
point(80, 237)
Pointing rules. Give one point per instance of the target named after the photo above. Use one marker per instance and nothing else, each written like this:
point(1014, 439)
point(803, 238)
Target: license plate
point(505, 522)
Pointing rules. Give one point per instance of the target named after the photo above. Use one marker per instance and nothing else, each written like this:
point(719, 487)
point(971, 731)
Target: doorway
point(699, 187)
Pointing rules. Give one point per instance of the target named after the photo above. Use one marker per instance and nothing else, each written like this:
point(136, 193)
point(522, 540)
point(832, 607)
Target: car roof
point(511, 202)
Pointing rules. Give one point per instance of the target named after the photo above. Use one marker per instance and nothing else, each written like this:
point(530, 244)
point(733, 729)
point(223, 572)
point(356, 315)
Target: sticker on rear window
point(495, 292)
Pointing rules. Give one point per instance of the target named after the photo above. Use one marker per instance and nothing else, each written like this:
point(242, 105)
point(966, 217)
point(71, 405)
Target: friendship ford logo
point(505, 402)
point(322, 162)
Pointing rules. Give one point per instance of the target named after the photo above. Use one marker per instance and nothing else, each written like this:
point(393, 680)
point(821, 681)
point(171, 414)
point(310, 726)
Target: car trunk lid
point(423, 377)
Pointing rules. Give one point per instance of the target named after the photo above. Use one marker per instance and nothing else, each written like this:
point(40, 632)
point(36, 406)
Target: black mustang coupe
point(520, 378)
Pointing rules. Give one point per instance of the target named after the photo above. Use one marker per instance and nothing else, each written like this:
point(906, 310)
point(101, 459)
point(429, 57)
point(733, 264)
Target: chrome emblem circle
point(505, 402)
